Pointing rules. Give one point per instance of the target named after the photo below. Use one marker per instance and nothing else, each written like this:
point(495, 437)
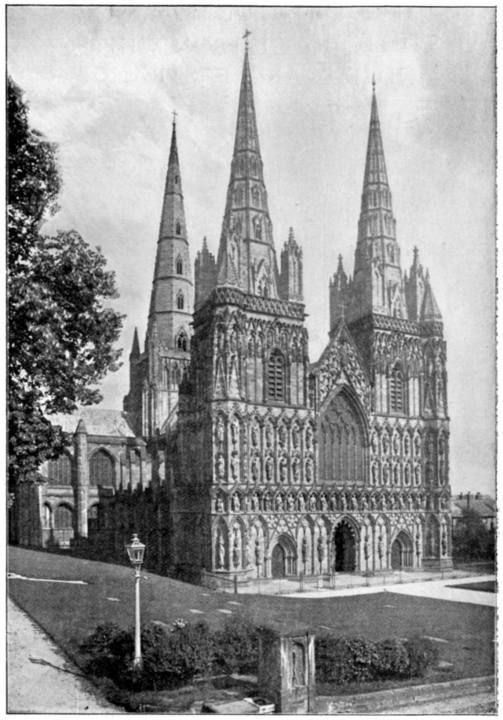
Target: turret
point(205, 275)
point(81, 486)
point(414, 288)
point(290, 279)
point(338, 291)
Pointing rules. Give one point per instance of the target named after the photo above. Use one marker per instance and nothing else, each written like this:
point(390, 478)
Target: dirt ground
point(40, 678)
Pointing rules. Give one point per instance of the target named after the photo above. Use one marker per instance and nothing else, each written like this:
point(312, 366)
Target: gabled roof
point(97, 421)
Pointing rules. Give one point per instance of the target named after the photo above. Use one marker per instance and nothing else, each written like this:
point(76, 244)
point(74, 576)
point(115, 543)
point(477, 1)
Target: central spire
point(246, 257)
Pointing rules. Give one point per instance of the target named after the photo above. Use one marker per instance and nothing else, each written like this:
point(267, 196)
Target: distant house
point(484, 505)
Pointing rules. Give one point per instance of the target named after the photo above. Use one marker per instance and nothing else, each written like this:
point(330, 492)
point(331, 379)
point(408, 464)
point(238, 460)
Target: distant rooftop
point(484, 505)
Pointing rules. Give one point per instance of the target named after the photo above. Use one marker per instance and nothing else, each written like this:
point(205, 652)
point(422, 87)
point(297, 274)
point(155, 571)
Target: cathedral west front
point(241, 458)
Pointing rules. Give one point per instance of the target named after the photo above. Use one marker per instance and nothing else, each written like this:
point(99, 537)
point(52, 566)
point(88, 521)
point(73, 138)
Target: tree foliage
point(471, 540)
point(60, 332)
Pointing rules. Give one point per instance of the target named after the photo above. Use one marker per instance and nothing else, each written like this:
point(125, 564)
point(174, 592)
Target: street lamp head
point(135, 551)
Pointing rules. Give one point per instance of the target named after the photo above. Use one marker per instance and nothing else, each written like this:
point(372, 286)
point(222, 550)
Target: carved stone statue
point(283, 469)
point(221, 551)
point(220, 433)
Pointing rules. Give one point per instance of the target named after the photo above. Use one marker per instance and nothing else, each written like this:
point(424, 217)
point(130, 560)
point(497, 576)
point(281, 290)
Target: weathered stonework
point(238, 458)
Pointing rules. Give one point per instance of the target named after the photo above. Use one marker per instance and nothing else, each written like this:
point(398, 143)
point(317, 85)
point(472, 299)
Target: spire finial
point(174, 117)
point(373, 83)
point(245, 38)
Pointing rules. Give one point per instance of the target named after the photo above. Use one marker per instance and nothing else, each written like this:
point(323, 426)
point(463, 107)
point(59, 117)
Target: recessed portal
point(345, 547)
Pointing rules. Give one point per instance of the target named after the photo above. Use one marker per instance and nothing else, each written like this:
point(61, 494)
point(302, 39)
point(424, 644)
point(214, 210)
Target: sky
point(103, 82)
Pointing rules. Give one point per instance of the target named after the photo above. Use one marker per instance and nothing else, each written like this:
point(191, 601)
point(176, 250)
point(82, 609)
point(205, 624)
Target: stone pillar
point(286, 670)
point(81, 487)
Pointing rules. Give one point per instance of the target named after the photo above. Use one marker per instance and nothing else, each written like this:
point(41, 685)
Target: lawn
point(68, 612)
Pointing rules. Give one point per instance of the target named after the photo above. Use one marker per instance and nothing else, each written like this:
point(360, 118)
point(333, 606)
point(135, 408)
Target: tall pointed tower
point(156, 373)
point(397, 328)
point(245, 429)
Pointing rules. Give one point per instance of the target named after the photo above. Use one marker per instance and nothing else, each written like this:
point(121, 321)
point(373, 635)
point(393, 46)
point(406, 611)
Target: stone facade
point(286, 468)
point(242, 460)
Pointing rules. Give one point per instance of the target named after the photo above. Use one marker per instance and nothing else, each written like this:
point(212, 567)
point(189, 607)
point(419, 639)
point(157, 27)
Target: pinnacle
point(135, 350)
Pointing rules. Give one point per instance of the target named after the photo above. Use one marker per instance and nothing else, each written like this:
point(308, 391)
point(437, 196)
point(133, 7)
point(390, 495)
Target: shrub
point(236, 646)
point(170, 658)
point(392, 658)
point(422, 654)
point(108, 650)
point(345, 660)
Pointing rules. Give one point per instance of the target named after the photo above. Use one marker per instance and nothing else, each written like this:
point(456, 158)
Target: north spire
point(171, 298)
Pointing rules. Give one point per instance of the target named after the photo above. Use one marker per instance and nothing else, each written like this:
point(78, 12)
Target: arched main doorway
point(283, 558)
point(345, 547)
point(401, 552)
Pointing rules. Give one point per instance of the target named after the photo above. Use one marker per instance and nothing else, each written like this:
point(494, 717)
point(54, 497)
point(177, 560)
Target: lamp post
point(136, 551)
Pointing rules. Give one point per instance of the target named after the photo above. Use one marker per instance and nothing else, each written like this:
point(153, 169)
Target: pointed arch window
point(178, 228)
point(101, 469)
point(180, 301)
point(396, 390)
point(182, 342)
point(276, 376)
point(63, 518)
point(179, 266)
point(60, 470)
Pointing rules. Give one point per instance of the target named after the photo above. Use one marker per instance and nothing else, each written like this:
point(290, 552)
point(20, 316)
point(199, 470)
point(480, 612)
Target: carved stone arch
point(345, 544)
point(343, 460)
point(402, 549)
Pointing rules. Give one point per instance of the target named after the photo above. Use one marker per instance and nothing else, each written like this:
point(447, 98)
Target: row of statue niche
point(283, 469)
point(394, 474)
point(269, 433)
point(288, 502)
point(396, 444)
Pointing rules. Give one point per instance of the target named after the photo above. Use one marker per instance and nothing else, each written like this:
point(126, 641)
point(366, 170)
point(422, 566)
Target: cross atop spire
point(175, 114)
point(373, 83)
point(245, 38)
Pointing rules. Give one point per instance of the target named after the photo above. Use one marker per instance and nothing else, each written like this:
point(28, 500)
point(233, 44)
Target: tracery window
point(60, 470)
point(342, 443)
point(396, 390)
point(276, 376)
point(63, 518)
point(101, 469)
point(180, 301)
point(182, 341)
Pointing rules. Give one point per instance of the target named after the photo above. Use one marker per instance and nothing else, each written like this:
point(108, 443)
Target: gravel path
point(40, 678)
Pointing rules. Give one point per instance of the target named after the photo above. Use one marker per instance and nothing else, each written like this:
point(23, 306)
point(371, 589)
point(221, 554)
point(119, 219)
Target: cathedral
point(237, 458)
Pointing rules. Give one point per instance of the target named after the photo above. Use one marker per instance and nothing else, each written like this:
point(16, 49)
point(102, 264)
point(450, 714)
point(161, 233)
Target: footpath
point(40, 679)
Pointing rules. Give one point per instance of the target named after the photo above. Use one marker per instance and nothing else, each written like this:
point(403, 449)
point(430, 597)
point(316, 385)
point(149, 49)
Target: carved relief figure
point(283, 469)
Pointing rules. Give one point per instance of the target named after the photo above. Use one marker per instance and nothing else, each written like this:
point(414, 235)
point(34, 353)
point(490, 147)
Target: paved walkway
point(40, 678)
point(437, 589)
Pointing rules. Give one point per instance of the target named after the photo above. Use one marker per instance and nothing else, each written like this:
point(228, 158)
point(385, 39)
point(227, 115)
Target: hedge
point(174, 655)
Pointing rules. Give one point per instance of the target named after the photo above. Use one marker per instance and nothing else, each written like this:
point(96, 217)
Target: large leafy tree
point(471, 540)
point(61, 330)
